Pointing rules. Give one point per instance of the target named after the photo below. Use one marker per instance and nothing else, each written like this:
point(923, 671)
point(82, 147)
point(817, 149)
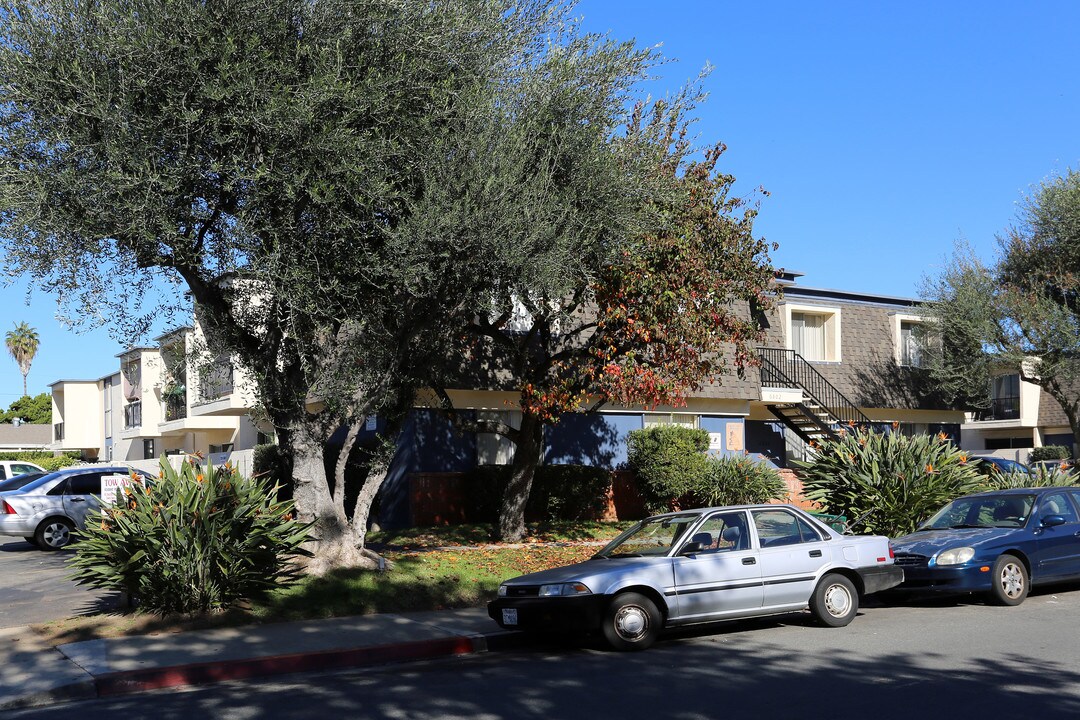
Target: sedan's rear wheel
point(631, 622)
point(835, 601)
point(1010, 580)
point(54, 533)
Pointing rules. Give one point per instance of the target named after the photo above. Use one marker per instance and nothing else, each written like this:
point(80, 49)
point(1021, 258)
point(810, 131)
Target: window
point(493, 449)
point(684, 419)
point(88, 484)
point(1057, 504)
point(779, 527)
point(1005, 397)
point(910, 352)
point(813, 332)
point(223, 448)
point(725, 531)
point(148, 449)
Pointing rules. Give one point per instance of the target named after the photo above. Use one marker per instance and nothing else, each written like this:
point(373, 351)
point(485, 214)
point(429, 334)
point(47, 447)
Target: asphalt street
point(953, 660)
point(35, 588)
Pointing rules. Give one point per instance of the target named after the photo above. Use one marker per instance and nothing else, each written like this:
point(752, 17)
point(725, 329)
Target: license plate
point(509, 616)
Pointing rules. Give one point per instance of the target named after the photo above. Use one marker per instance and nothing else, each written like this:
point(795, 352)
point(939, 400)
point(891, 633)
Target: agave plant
point(196, 540)
point(886, 483)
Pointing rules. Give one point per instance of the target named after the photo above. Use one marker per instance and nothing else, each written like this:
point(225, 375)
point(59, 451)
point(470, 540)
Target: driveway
point(35, 586)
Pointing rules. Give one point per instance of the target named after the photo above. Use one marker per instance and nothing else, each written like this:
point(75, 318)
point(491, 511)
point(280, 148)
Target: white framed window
point(493, 449)
point(813, 331)
point(909, 351)
point(685, 419)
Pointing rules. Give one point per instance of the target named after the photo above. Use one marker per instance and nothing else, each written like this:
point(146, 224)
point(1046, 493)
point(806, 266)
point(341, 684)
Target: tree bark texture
point(527, 456)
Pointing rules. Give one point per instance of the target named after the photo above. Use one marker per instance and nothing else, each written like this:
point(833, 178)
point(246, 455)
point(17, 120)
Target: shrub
point(47, 460)
point(193, 541)
point(568, 492)
point(485, 486)
point(559, 492)
point(886, 483)
point(737, 480)
point(1049, 452)
point(669, 461)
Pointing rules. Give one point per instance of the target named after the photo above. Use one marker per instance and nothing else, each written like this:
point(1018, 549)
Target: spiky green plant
point(737, 480)
point(886, 483)
point(1039, 477)
point(195, 540)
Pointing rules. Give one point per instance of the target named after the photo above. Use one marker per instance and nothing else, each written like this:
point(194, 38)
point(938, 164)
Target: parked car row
point(46, 508)
point(737, 562)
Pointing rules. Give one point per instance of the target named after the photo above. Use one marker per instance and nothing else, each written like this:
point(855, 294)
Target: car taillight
point(8, 510)
point(892, 555)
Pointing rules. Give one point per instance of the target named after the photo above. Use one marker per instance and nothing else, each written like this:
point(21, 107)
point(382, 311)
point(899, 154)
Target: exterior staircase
point(805, 401)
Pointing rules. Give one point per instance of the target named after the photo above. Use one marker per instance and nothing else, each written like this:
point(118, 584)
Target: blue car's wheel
point(1010, 581)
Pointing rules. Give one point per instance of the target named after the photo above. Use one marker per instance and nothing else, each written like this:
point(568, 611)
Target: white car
point(46, 511)
point(701, 566)
point(11, 468)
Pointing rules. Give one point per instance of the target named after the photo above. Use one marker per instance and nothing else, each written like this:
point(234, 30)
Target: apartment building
point(166, 398)
point(1021, 417)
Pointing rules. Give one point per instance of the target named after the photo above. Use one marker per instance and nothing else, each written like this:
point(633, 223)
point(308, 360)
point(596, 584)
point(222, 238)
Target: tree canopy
point(22, 343)
point(36, 410)
point(1019, 314)
point(336, 185)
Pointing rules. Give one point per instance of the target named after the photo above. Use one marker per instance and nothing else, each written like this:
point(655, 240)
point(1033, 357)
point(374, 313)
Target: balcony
point(1001, 408)
point(133, 415)
point(175, 407)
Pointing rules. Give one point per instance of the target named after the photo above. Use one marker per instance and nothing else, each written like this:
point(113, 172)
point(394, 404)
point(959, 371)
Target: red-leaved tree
point(658, 315)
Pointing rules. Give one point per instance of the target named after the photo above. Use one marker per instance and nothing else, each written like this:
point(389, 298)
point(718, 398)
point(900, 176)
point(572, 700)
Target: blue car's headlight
point(564, 590)
point(955, 556)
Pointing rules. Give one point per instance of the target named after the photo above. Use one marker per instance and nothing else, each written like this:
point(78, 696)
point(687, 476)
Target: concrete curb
point(205, 673)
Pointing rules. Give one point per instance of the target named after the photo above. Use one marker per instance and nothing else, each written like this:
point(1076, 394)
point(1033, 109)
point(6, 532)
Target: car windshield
point(981, 511)
point(19, 481)
point(654, 536)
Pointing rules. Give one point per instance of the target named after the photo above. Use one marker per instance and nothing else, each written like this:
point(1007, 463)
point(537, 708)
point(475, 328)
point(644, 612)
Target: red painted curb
point(132, 681)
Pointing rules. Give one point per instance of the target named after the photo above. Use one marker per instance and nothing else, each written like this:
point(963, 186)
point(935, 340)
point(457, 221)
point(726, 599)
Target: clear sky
point(884, 131)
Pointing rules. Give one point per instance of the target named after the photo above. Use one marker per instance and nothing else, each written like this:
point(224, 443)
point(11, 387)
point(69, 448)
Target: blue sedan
point(1000, 543)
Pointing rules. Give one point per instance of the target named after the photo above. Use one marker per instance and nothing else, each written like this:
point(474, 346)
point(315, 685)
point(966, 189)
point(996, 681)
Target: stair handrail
point(781, 367)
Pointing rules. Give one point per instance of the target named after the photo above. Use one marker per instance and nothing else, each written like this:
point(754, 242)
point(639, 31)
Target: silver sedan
point(48, 510)
point(702, 566)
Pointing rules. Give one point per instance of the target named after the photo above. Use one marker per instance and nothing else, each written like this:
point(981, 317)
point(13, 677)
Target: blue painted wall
point(597, 440)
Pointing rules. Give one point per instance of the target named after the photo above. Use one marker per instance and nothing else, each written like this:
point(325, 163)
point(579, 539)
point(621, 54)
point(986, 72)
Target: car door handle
point(77, 499)
point(749, 561)
point(815, 553)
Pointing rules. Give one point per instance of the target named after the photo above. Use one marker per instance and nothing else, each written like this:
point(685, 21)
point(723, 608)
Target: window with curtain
point(910, 353)
point(808, 335)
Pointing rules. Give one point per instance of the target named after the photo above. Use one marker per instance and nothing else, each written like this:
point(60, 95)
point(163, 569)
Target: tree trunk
point(333, 541)
point(527, 454)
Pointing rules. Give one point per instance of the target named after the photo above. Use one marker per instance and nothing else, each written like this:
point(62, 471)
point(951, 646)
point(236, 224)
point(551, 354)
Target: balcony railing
point(175, 407)
point(786, 368)
point(1001, 408)
point(216, 381)
point(133, 415)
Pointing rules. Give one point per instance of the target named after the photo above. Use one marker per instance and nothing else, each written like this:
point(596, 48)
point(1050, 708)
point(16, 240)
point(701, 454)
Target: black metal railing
point(175, 407)
point(788, 369)
point(1001, 408)
point(133, 415)
point(216, 381)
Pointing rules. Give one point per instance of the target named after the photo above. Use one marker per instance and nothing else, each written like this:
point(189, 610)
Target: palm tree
point(22, 343)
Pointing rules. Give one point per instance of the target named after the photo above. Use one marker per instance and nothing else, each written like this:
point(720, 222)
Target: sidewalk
point(34, 673)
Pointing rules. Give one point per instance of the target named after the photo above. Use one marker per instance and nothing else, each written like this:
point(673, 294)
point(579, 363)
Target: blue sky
point(884, 131)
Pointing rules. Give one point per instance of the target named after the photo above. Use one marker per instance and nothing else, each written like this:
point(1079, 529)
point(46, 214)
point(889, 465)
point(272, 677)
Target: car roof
point(703, 510)
point(1024, 491)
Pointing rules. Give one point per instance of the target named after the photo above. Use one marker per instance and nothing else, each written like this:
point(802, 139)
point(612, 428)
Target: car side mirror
point(690, 548)
point(1052, 520)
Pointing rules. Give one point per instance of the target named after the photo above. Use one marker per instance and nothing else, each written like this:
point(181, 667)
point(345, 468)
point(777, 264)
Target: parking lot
point(34, 586)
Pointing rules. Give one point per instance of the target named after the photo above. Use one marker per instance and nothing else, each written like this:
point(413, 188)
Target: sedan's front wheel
point(835, 601)
point(631, 622)
point(1010, 579)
